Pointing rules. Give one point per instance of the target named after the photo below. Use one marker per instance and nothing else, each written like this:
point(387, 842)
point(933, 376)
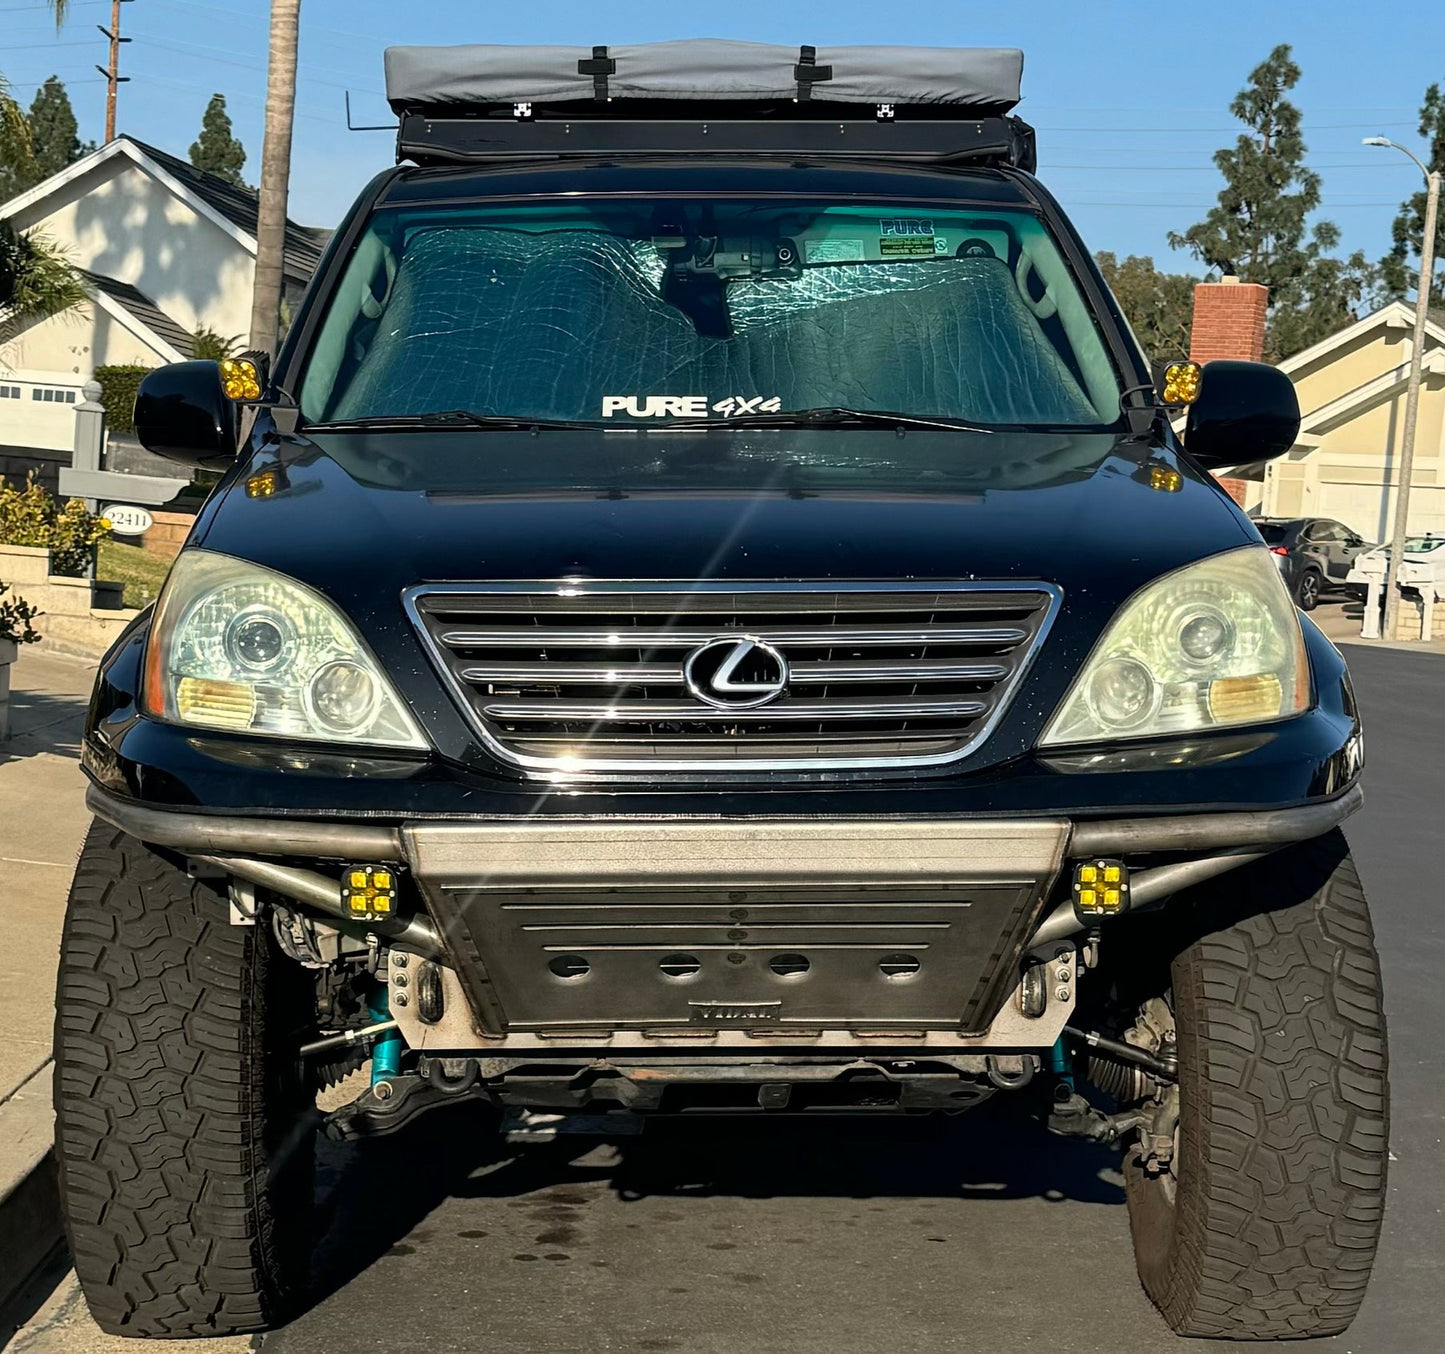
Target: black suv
point(706, 611)
point(1315, 554)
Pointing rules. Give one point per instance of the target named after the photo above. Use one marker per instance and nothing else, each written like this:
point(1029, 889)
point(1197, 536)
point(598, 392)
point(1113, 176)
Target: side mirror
point(182, 413)
point(1244, 412)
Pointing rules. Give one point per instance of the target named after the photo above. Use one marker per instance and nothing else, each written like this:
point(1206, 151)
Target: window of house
point(47, 395)
point(9, 392)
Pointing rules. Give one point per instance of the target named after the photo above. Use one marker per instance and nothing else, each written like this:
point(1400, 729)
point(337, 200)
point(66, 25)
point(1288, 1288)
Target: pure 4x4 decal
point(688, 406)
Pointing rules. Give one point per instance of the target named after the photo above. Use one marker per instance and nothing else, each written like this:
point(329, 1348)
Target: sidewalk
point(42, 823)
point(1341, 624)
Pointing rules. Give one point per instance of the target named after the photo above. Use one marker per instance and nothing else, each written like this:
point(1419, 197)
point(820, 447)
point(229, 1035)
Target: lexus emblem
point(737, 673)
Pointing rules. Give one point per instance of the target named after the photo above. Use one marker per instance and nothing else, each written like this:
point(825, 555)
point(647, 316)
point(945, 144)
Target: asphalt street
point(843, 1236)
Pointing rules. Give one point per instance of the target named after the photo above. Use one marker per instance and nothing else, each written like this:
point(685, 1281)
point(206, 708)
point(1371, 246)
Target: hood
point(360, 516)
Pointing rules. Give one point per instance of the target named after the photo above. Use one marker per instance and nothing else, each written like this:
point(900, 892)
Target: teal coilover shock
point(386, 1051)
point(1059, 1061)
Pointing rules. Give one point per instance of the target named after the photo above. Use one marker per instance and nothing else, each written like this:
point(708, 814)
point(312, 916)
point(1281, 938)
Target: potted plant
point(15, 629)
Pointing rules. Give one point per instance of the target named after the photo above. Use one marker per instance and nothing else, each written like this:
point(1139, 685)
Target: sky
point(1130, 99)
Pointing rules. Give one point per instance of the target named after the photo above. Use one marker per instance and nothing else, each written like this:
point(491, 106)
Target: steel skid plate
point(698, 926)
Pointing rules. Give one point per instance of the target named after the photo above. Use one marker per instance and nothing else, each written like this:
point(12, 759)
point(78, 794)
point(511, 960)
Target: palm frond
point(37, 278)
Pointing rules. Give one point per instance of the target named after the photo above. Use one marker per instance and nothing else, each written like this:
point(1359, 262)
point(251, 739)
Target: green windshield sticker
point(916, 247)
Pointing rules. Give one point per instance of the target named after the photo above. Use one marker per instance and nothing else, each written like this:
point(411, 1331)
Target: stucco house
point(166, 249)
point(1345, 465)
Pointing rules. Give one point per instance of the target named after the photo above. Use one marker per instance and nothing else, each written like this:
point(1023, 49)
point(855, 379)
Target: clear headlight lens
point(235, 646)
point(1214, 644)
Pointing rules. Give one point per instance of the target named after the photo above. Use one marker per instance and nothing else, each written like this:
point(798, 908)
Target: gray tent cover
point(982, 78)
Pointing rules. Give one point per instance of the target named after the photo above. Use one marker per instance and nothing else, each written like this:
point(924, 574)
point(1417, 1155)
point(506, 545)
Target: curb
point(31, 1230)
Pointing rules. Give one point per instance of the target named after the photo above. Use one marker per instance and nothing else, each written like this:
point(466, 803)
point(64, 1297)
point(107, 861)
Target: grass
point(141, 572)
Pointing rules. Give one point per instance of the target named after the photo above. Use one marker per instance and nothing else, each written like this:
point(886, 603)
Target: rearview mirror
point(1244, 412)
point(182, 413)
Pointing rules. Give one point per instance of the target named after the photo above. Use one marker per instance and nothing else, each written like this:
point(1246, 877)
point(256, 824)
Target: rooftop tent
point(964, 81)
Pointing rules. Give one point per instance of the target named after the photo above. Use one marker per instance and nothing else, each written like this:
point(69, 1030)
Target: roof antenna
point(351, 127)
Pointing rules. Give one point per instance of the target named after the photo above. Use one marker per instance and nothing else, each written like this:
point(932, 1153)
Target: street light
point(1412, 390)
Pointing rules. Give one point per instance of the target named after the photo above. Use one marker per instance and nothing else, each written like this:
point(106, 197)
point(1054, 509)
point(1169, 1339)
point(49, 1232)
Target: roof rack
point(479, 104)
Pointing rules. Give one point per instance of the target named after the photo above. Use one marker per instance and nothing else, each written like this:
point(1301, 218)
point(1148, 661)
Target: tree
point(1400, 268)
point(36, 277)
point(275, 173)
point(15, 147)
point(1259, 229)
point(1159, 306)
point(54, 132)
point(216, 150)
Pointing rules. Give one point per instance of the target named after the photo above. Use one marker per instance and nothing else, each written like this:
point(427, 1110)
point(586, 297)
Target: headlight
point(1214, 644)
point(235, 646)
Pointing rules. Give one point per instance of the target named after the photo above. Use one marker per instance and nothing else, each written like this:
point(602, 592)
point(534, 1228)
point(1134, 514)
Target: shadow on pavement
point(43, 722)
point(372, 1195)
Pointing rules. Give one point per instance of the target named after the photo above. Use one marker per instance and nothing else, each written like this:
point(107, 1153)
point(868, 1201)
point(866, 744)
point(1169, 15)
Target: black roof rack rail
point(462, 135)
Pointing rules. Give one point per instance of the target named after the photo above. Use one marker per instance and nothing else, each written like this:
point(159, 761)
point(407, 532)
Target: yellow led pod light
point(240, 379)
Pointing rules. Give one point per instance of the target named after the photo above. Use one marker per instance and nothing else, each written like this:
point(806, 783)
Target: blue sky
point(1130, 99)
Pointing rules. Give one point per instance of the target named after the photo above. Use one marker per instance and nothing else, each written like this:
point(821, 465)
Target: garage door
point(1368, 509)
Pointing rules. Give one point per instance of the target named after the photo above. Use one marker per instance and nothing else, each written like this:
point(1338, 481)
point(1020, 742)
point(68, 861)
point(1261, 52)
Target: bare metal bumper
point(727, 933)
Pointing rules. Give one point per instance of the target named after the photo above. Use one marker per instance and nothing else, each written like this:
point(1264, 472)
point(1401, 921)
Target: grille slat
point(689, 636)
point(694, 712)
point(588, 676)
point(632, 674)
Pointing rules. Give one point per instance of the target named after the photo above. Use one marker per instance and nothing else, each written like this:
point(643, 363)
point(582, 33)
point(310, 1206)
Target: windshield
point(1273, 532)
point(648, 313)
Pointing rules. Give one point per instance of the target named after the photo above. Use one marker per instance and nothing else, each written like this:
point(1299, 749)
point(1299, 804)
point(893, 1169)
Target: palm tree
point(275, 173)
point(36, 277)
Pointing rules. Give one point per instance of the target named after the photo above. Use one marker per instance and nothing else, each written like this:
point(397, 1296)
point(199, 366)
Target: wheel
point(184, 1130)
point(1307, 590)
point(1264, 1224)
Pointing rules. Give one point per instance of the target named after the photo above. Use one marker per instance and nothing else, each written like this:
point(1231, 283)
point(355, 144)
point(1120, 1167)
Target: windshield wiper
point(826, 416)
point(444, 418)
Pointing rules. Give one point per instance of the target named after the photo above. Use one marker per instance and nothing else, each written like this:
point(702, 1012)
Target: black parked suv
point(1315, 554)
point(706, 611)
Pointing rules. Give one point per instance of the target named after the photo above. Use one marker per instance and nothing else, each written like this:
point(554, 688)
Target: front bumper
point(658, 933)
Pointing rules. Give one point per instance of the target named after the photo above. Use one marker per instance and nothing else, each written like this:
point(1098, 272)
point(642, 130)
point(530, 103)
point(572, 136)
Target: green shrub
point(25, 514)
point(15, 618)
point(118, 386)
point(29, 516)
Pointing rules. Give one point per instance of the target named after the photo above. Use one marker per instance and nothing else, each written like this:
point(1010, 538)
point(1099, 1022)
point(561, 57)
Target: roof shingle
point(145, 310)
point(240, 207)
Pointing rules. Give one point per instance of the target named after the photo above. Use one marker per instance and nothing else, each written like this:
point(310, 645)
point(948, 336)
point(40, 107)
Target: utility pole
point(1412, 389)
point(113, 77)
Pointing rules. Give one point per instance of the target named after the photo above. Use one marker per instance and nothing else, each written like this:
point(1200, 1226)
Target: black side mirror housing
point(182, 413)
point(1245, 412)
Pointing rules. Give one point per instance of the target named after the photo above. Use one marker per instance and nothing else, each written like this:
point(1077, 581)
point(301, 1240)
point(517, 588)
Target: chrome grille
point(590, 676)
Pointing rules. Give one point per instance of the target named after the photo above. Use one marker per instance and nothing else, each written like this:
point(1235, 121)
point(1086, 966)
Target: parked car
point(1315, 555)
point(710, 614)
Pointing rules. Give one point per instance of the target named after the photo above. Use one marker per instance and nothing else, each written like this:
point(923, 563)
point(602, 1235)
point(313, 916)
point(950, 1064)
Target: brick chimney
point(1229, 320)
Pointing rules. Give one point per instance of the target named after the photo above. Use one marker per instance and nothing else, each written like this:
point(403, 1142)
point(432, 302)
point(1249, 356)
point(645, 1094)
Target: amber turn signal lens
point(1232, 699)
point(204, 700)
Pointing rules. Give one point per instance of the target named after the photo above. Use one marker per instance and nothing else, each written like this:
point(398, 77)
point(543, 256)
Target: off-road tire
point(1308, 590)
point(184, 1132)
point(1279, 1191)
